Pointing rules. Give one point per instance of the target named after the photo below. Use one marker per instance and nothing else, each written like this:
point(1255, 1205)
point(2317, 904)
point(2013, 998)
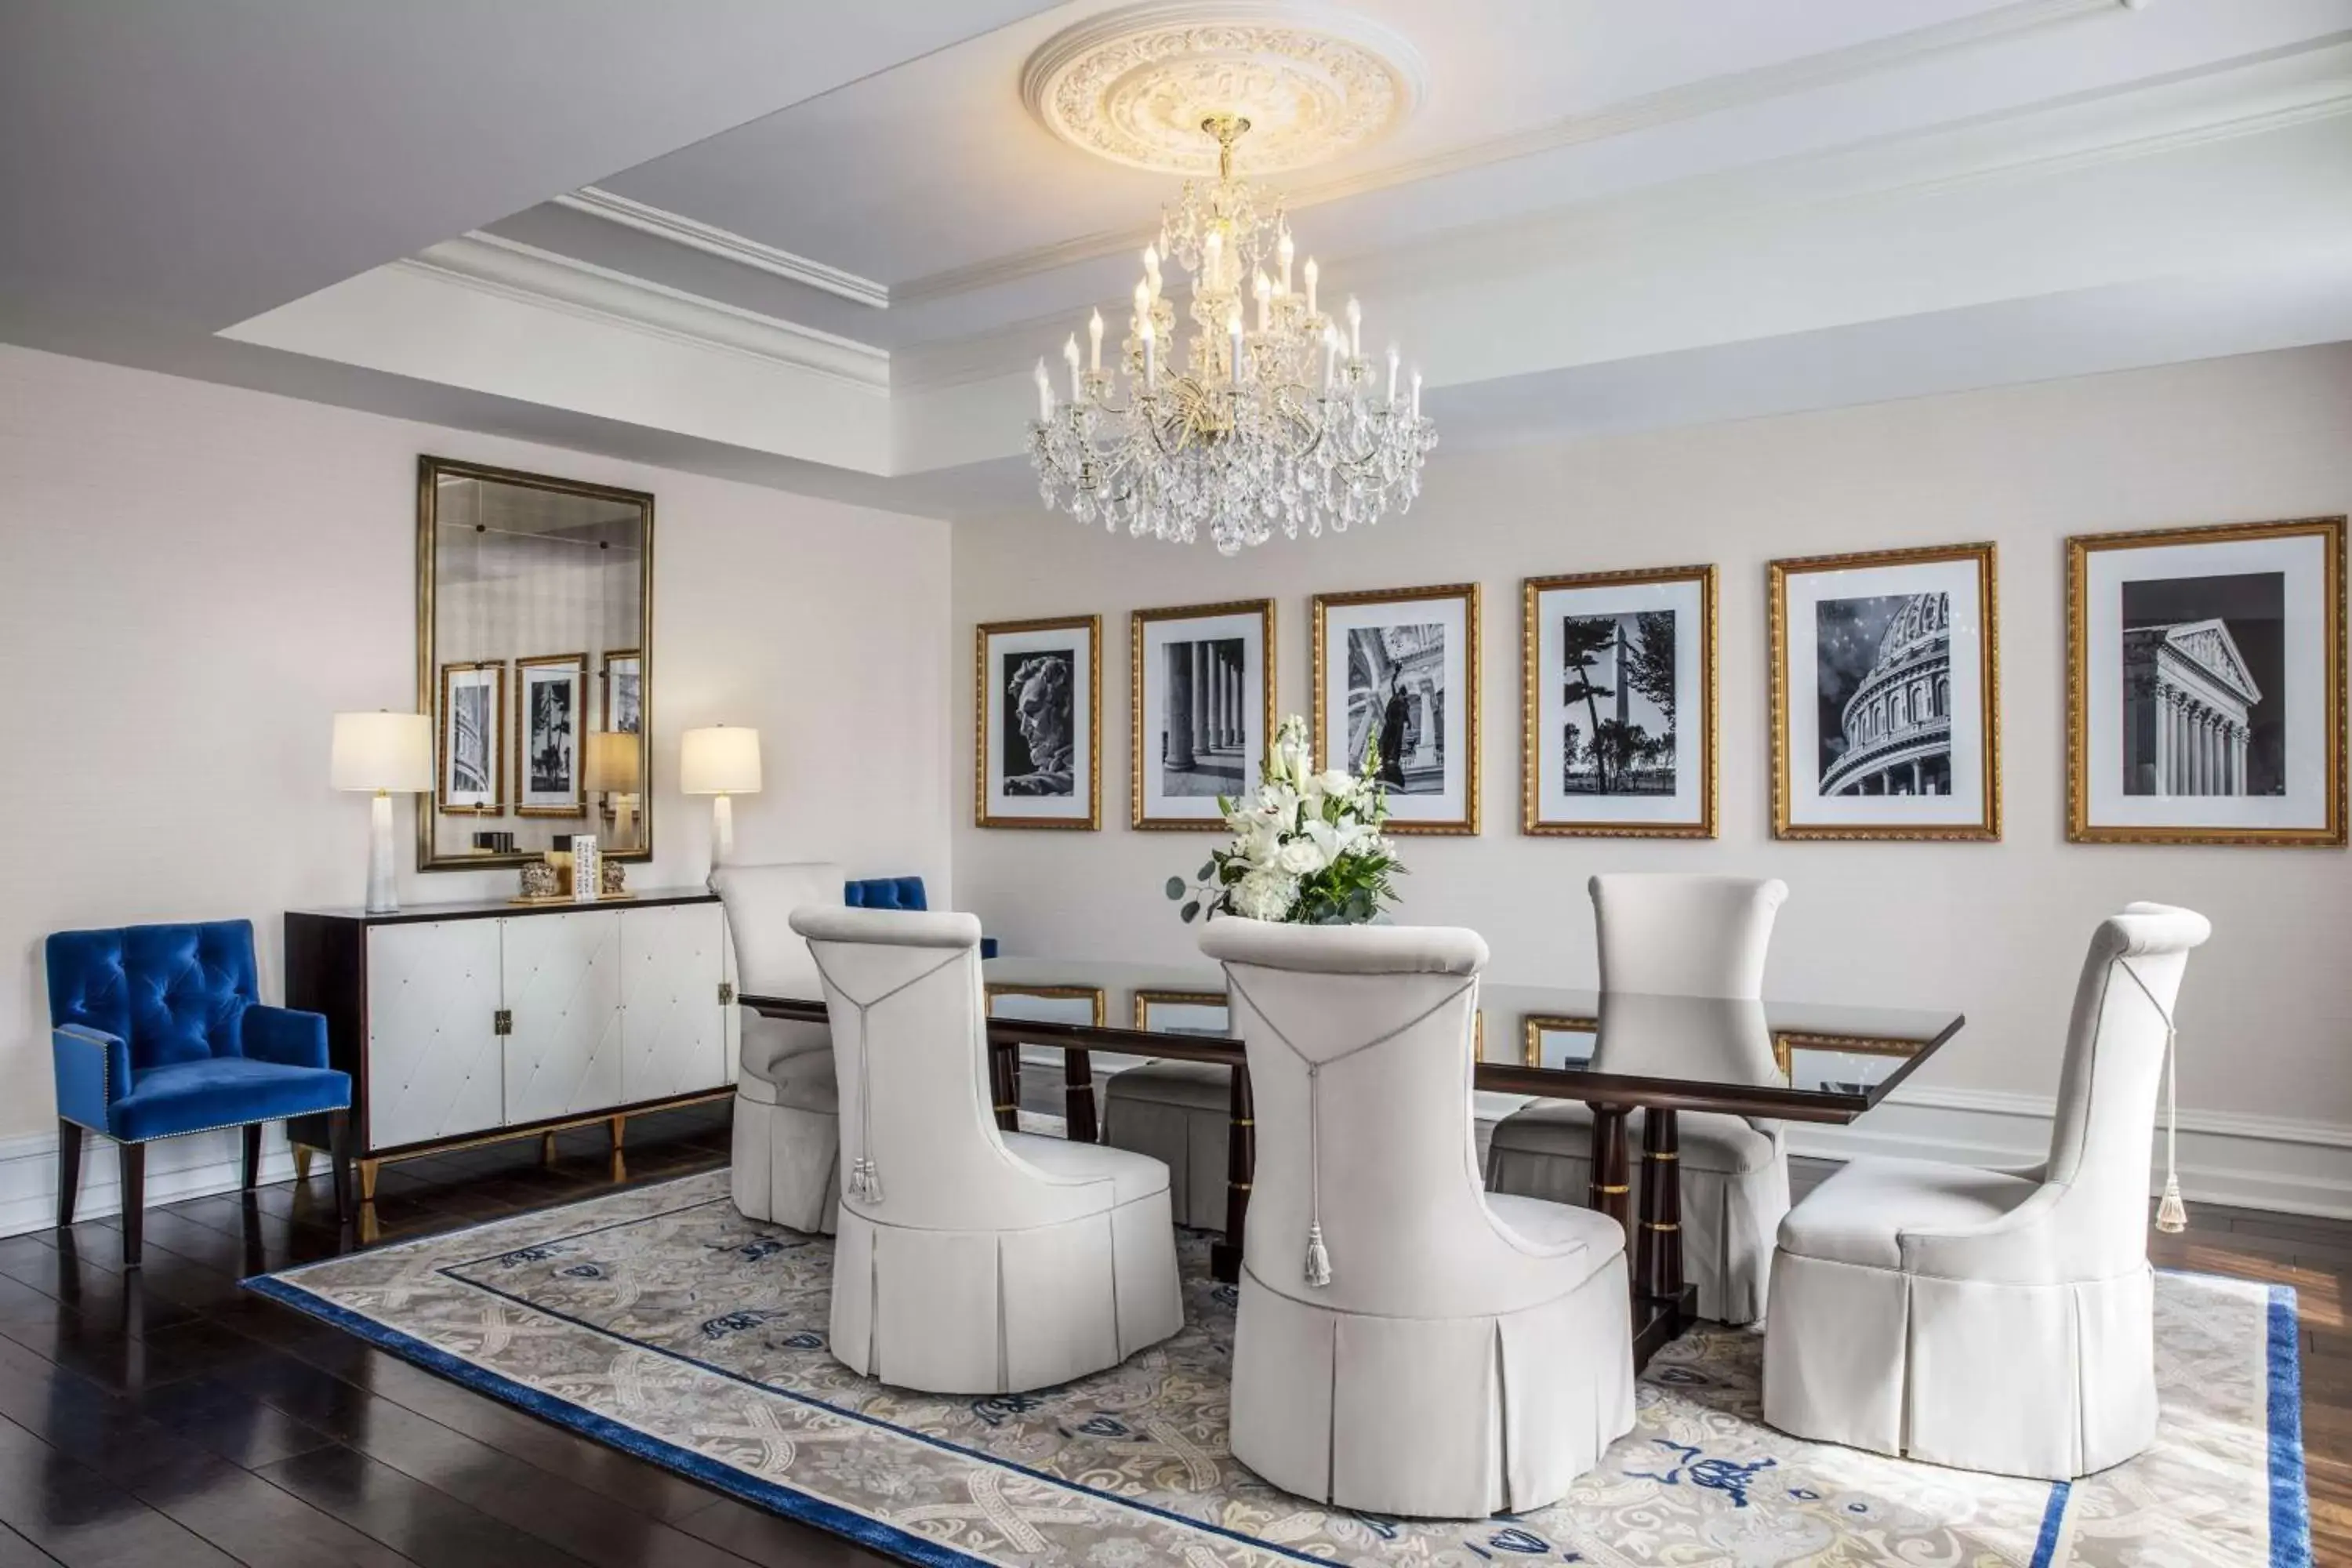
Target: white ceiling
point(1592, 199)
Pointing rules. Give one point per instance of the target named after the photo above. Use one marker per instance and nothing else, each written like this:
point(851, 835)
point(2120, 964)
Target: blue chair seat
point(222, 1091)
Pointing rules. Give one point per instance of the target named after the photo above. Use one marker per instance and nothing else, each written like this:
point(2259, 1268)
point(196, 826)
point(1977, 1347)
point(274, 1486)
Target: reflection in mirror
point(534, 610)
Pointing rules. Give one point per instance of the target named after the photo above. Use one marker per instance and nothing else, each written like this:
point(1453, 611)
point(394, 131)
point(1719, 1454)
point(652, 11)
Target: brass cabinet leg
point(301, 1162)
point(367, 1180)
point(547, 1148)
point(619, 1126)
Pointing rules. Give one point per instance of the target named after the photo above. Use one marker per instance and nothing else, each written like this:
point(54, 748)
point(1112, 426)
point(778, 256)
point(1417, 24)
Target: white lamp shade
point(723, 760)
point(613, 761)
point(382, 751)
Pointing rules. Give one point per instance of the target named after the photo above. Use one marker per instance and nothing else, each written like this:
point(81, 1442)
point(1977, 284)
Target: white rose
point(1301, 857)
point(1265, 895)
point(1339, 783)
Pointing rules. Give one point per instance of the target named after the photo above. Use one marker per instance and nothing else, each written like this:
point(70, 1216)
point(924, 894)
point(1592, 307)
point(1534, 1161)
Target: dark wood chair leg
point(252, 1155)
point(134, 1199)
point(339, 1154)
point(69, 1140)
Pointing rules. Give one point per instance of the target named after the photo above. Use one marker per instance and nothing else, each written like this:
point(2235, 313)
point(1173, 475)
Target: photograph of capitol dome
point(1886, 712)
point(1886, 694)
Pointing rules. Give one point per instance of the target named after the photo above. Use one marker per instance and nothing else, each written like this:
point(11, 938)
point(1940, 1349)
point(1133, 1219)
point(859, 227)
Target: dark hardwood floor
point(168, 1418)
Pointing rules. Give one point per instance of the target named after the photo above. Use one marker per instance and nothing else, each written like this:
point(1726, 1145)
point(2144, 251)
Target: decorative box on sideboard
point(470, 1023)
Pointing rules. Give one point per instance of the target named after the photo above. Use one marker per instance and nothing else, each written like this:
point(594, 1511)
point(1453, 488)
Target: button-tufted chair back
point(172, 993)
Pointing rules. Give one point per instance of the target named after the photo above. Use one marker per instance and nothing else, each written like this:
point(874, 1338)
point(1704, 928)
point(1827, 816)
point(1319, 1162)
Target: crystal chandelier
point(1241, 431)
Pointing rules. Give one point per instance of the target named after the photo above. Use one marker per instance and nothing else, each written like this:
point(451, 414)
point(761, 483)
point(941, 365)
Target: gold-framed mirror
point(534, 658)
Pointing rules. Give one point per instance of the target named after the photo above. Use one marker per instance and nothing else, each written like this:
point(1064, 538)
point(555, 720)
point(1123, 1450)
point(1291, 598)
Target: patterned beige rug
point(663, 1323)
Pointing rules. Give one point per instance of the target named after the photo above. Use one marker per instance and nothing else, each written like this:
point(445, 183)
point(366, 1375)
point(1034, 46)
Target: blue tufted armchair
point(898, 893)
point(159, 1030)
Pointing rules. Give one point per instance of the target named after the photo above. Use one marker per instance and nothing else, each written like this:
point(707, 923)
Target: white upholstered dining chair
point(1407, 1343)
point(1684, 935)
point(1997, 1321)
point(969, 1261)
point(787, 1137)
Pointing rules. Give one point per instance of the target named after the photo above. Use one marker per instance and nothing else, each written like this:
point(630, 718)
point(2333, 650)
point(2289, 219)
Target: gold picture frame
point(1467, 721)
point(577, 665)
point(2080, 551)
point(982, 733)
point(1139, 815)
point(1534, 1025)
point(1532, 819)
point(1986, 827)
point(442, 715)
point(1789, 1042)
point(1139, 1009)
point(994, 989)
point(605, 689)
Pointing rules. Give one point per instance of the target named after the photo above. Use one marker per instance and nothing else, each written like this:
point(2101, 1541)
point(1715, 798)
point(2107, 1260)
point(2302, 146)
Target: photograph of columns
point(2205, 690)
point(1202, 705)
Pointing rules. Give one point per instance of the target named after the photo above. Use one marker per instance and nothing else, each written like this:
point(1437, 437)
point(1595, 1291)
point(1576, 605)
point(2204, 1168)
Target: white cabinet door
point(433, 1046)
point(562, 978)
point(673, 1027)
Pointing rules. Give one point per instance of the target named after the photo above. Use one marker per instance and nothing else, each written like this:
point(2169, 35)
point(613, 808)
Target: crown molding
point(1531, 242)
point(725, 243)
point(1670, 105)
point(513, 270)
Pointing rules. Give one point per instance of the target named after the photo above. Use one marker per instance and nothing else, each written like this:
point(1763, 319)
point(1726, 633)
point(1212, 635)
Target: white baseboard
point(198, 1166)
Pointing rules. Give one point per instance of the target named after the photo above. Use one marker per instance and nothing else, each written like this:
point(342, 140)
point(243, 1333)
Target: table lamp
point(613, 770)
point(381, 752)
point(719, 762)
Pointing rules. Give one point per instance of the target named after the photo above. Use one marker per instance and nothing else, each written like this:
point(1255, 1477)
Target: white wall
point(1995, 930)
point(193, 578)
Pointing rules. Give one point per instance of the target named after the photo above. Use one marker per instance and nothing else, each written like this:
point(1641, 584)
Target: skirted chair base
point(2049, 1381)
point(1181, 1114)
point(786, 1167)
point(1446, 1417)
point(999, 1311)
point(1735, 1190)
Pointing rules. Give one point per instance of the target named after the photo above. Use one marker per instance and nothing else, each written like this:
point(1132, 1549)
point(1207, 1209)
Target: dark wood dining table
point(1614, 1050)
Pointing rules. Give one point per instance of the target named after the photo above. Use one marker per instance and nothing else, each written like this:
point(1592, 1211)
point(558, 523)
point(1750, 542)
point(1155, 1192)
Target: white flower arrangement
point(1307, 847)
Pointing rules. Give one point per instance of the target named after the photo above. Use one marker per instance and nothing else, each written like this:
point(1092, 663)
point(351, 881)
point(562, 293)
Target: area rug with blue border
point(664, 1323)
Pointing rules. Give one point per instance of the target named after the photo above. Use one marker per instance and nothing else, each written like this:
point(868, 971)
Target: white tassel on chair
point(2171, 1212)
point(1318, 1257)
point(873, 1183)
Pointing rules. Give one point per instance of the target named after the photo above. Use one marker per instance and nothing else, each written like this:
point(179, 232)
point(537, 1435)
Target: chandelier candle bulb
point(1243, 439)
point(1416, 392)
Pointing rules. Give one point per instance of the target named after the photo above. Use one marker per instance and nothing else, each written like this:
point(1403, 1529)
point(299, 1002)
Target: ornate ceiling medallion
point(1135, 84)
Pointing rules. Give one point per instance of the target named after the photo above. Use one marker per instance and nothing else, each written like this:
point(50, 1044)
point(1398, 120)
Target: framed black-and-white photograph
point(1617, 679)
point(1546, 1040)
point(622, 700)
point(1183, 1013)
point(473, 739)
point(1081, 1005)
point(1396, 685)
point(1037, 723)
point(548, 699)
point(1202, 704)
point(1886, 695)
point(2205, 685)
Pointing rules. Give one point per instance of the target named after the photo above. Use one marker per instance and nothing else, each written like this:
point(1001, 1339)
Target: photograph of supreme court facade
point(2202, 659)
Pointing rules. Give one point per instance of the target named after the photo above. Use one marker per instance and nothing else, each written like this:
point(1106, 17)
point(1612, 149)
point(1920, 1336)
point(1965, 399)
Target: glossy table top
point(1797, 1060)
